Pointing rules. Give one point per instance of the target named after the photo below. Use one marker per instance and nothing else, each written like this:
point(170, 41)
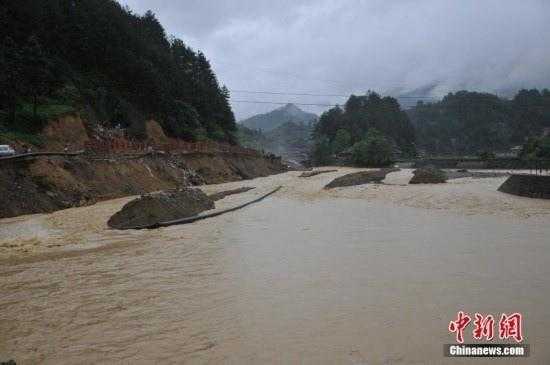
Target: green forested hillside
point(465, 122)
point(101, 58)
point(366, 118)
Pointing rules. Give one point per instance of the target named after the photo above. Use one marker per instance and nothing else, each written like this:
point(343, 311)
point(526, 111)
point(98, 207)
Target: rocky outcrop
point(531, 186)
point(150, 209)
point(360, 178)
point(428, 175)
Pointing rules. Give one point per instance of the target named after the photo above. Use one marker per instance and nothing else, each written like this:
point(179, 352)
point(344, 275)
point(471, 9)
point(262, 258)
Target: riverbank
point(47, 184)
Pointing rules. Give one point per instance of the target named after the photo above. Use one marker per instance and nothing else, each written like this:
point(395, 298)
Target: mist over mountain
point(285, 131)
point(349, 47)
point(289, 113)
point(291, 141)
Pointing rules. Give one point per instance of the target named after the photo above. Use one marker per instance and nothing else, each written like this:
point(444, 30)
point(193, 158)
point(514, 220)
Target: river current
point(362, 275)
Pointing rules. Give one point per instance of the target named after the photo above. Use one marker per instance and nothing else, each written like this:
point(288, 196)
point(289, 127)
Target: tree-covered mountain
point(275, 118)
point(468, 123)
point(364, 118)
point(99, 57)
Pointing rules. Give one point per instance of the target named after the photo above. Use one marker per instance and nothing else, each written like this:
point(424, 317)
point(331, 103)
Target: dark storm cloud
point(351, 46)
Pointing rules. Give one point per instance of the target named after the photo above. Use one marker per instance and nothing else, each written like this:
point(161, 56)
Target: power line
point(282, 73)
point(303, 77)
point(284, 93)
point(325, 95)
point(285, 102)
point(415, 97)
point(280, 103)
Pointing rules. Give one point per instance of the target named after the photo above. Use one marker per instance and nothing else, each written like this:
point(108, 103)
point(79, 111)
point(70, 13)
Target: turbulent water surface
point(361, 275)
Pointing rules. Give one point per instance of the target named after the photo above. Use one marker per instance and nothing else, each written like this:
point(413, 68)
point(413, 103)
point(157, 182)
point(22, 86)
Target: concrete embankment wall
point(46, 184)
point(532, 186)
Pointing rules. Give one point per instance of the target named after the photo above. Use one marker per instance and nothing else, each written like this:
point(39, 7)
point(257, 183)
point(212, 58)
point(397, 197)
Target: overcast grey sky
point(344, 46)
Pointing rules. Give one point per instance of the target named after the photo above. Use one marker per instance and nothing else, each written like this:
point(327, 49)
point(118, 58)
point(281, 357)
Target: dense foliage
point(374, 150)
point(470, 123)
point(322, 151)
point(120, 67)
point(342, 140)
point(339, 129)
point(536, 148)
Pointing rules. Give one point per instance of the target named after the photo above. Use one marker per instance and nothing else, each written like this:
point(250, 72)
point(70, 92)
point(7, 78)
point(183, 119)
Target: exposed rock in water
point(160, 207)
point(428, 175)
point(531, 186)
point(360, 178)
point(313, 173)
point(223, 194)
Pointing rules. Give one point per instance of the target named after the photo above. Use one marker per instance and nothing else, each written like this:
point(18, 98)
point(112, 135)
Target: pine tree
point(38, 78)
point(11, 77)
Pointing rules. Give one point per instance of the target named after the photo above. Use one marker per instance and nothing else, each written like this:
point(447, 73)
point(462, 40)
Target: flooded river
point(362, 275)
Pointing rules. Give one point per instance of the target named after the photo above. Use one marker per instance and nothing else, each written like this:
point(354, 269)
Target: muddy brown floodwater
point(360, 275)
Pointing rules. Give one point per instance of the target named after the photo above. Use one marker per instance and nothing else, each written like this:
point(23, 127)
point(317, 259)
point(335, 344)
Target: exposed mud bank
point(47, 184)
point(531, 186)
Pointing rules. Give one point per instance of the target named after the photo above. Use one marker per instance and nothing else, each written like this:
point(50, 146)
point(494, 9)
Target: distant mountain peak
point(291, 107)
point(275, 118)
